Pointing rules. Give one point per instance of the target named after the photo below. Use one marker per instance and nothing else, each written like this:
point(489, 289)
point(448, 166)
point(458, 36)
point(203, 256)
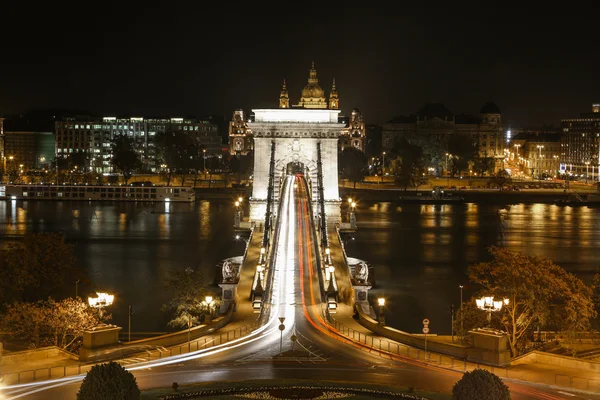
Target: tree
point(483, 165)
point(49, 322)
point(596, 296)
point(352, 165)
point(540, 294)
point(81, 160)
point(407, 167)
point(125, 158)
point(187, 303)
point(463, 149)
point(480, 384)
point(180, 152)
point(108, 381)
point(37, 267)
point(468, 317)
point(500, 179)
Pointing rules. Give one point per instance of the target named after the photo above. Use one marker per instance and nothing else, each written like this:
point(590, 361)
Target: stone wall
point(557, 360)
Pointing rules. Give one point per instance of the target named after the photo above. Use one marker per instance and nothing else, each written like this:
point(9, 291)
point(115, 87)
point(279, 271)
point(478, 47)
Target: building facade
point(28, 150)
point(354, 133)
point(434, 122)
point(579, 144)
point(94, 136)
point(240, 136)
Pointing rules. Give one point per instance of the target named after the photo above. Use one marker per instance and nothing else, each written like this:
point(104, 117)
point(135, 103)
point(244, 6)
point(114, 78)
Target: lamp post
point(102, 300)
point(488, 304)
point(383, 167)
point(587, 165)
point(204, 162)
point(330, 271)
point(328, 255)
point(381, 303)
point(461, 308)
point(539, 168)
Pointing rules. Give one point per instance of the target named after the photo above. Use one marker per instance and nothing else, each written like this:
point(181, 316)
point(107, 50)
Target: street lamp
point(204, 162)
point(461, 308)
point(330, 270)
point(238, 237)
point(381, 302)
point(383, 167)
point(103, 300)
point(488, 304)
point(587, 165)
point(328, 255)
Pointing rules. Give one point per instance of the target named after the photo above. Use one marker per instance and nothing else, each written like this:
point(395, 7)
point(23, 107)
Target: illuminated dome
point(313, 90)
point(312, 94)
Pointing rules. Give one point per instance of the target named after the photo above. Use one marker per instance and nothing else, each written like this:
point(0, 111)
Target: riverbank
point(489, 196)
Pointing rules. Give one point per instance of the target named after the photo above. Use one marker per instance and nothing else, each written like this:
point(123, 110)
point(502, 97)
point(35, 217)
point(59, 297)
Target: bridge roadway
point(319, 353)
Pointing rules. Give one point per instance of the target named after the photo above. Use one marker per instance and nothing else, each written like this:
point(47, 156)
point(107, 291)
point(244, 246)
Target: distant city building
point(28, 150)
point(240, 136)
point(354, 134)
point(535, 151)
point(2, 157)
point(435, 122)
point(25, 143)
point(94, 137)
point(312, 97)
point(579, 145)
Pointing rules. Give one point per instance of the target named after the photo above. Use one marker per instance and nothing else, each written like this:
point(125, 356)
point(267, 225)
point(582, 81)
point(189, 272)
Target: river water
point(419, 253)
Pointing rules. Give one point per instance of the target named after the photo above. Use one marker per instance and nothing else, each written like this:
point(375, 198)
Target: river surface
point(419, 253)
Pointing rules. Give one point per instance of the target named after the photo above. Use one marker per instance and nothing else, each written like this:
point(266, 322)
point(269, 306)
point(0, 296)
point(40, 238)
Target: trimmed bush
point(480, 384)
point(109, 381)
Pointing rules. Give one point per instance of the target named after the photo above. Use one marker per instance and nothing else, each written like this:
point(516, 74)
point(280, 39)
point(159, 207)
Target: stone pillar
point(361, 298)
point(228, 295)
point(97, 338)
point(489, 346)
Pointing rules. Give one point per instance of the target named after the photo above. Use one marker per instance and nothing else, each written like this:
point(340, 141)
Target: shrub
point(480, 384)
point(109, 381)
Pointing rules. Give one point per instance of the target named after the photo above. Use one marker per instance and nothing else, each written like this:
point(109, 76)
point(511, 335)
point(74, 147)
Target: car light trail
point(283, 302)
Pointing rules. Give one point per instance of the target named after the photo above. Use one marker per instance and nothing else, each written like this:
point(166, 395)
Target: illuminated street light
point(103, 300)
point(237, 204)
point(240, 200)
point(381, 302)
point(488, 304)
point(349, 200)
point(330, 270)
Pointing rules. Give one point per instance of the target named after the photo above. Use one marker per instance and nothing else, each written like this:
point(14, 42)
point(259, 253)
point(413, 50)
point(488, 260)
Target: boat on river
point(437, 196)
point(97, 193)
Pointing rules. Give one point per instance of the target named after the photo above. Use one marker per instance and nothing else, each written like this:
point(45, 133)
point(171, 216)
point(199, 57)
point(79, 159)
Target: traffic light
point(130, 310)
point(452, 309)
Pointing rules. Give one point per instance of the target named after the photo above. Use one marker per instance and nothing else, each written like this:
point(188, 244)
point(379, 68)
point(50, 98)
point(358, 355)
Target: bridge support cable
point(268, 214)
point(315, 241)
point(321, 197)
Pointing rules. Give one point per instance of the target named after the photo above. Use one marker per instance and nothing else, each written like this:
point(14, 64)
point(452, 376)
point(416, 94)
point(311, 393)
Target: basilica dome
point(312, 91)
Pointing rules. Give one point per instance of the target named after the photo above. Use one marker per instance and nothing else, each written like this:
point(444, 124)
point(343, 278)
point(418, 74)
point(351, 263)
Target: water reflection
point(128, 249)
point(422, 256)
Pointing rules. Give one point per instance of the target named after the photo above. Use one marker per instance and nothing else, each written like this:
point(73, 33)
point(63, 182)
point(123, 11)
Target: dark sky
point(539, 65)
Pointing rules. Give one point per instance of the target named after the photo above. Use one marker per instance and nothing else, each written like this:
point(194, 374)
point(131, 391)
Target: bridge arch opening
point(295, 168)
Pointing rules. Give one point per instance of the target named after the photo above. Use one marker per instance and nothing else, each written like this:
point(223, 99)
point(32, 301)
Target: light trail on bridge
point(282, 301)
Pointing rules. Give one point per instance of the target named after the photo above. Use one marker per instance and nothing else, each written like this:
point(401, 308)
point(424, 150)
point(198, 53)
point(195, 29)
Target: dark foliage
point(480, 384)
point(109, 381)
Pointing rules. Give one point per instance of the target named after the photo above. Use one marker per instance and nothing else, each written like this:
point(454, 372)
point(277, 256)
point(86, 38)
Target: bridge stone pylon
point(296, 133)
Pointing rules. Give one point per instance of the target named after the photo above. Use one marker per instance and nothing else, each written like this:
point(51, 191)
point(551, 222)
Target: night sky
point(539, 65)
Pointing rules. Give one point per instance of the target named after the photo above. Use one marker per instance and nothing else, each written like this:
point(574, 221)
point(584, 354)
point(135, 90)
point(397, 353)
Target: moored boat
point(97, 193)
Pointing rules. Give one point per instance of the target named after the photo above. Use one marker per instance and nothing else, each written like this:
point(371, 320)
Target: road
point(319, 354)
